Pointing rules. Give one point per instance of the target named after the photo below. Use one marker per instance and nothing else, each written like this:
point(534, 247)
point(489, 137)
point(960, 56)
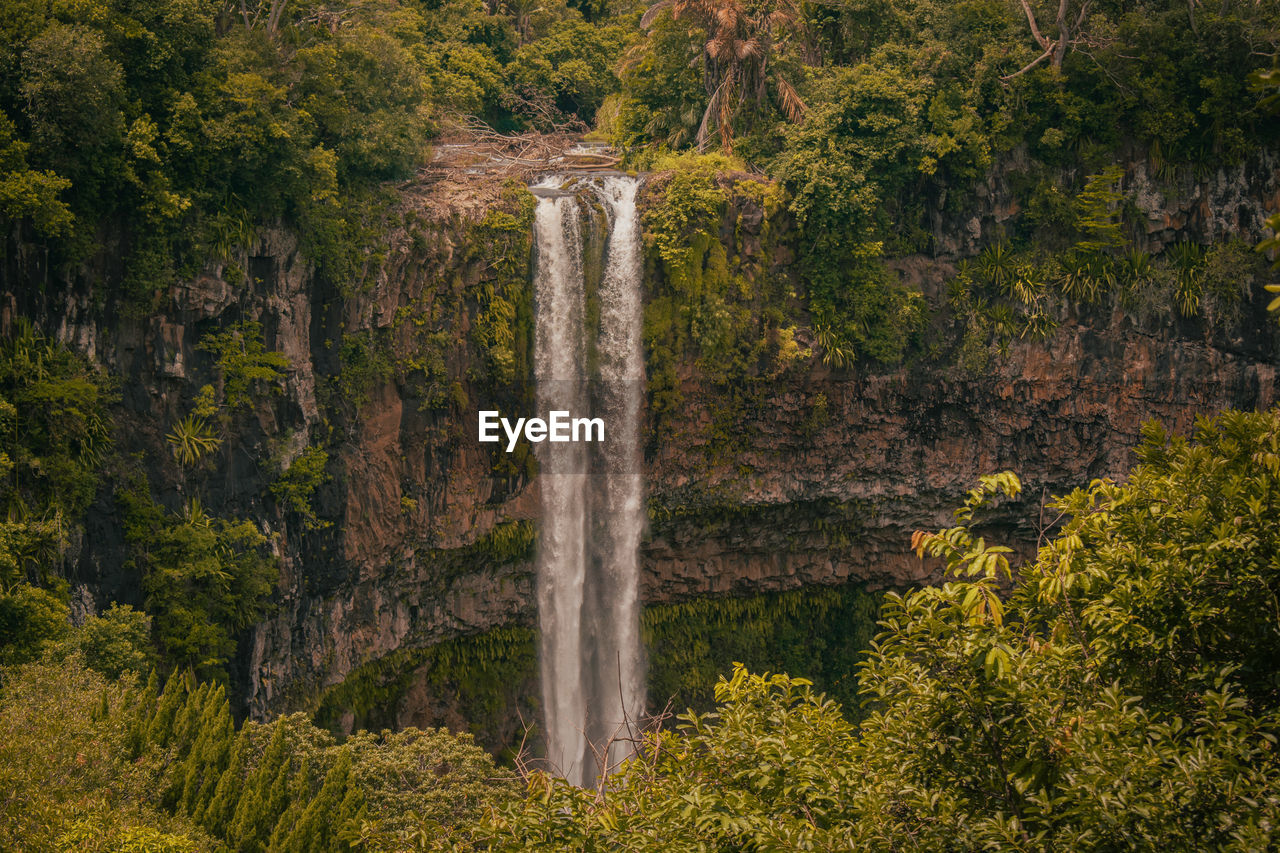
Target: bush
point(1121, 696)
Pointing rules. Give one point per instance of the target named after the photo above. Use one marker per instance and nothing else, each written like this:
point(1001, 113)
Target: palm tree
point(743, 36)
point(741, 40)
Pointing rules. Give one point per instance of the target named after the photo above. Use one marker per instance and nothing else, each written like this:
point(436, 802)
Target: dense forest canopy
point(193, 120)
point(173, 129)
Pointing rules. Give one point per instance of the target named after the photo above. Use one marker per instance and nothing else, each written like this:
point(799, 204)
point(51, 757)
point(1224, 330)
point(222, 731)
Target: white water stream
point(592, 500)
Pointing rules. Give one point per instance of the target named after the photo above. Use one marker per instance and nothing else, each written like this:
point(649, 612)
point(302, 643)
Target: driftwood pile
point(470, 145)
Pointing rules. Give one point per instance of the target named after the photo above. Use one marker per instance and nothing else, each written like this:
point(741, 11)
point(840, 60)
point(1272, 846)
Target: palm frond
point(712, 108)
point(721, 48)
point(651, 14)
point(792, 105)
point(728, 17)
point(779, 19)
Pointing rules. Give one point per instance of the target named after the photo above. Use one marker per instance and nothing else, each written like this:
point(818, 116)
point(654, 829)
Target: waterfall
point(617, 688)
point(559, 349)
point(592, 501)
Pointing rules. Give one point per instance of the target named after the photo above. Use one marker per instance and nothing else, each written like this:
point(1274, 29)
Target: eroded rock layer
point(818, 478)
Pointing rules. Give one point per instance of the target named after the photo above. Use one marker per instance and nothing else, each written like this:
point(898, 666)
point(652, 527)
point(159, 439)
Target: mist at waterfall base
point(592, 660)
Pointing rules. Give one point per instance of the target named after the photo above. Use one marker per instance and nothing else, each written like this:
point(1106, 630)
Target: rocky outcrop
point(1167, 205)
point(820, 480)
point(862, 461)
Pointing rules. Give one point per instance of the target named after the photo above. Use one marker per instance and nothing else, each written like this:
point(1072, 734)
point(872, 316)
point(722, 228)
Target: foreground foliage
point(93, 764)
point(1122, 696)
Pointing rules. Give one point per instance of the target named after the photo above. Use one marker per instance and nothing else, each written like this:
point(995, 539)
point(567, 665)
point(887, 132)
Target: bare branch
point(704, 125)
point(1035, 29)
point(792, 104)
point(1032, 64)
point(273, 18)
point(1084, 13)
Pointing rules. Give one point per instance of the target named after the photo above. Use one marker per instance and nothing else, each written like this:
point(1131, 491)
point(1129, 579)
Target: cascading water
point(592, 502)
point(617, 668)
point(559, 349)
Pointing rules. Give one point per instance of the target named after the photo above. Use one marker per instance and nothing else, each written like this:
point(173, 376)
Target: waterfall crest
point(592, 501)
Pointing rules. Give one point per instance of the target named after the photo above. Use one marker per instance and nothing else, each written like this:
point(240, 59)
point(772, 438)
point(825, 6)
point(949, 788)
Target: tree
point(1068, 23)
point(54, 429)
point(117, 641)
point(32, 620)
point(741, 58)
point(766, 771)
point(74, 92)
point(69, 779)
point(27, 193)
point(1121, 695)
point(567, 74)
point(244, 362)
point(422, 789)
point(205, 580)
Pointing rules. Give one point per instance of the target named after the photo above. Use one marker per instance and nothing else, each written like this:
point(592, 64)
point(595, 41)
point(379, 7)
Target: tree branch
point(277, 9)
point(1035, 30)
point(1048, 52)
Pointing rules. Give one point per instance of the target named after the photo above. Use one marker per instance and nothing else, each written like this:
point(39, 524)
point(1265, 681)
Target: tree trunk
point(273, 19)
point(1064, 35)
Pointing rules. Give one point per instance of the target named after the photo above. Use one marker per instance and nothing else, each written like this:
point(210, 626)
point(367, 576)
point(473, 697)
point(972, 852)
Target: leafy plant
point(54, 426)
point(1119, 693)
point(295, 489)
point(192, 440)
point(205, 579)
point(1097, 211)
point(743, 58)
point(244, 363)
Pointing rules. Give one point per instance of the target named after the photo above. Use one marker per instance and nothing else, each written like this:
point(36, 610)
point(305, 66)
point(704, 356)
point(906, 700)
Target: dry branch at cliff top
point(472, 147)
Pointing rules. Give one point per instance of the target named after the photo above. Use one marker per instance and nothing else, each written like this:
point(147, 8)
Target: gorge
point(424, 538)
point(644, 425)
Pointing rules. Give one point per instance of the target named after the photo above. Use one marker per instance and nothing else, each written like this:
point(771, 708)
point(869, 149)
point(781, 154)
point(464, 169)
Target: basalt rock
point(825, 475)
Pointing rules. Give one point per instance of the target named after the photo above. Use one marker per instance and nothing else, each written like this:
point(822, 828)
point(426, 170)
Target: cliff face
point(818, 478)
point(803, 502)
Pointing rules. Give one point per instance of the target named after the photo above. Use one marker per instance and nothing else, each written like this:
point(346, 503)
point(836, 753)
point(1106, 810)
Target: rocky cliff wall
point(818, 479)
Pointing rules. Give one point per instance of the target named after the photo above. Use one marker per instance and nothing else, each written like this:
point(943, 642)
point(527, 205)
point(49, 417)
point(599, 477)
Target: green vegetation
point(187, 126)
point(205, 580)
point(492, 675)
point(366, 365)
point(880, 118)
point(715, 298)
point(192, 440)
point(1268, 82)
point(821, 632)
point(53, 426)
point(1122, 695)
point(92, 764)
point(503, 331)
point(245, 365)
point(1116, 692)
point(296, 488)
point(1017, 290)
point(54, 436)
